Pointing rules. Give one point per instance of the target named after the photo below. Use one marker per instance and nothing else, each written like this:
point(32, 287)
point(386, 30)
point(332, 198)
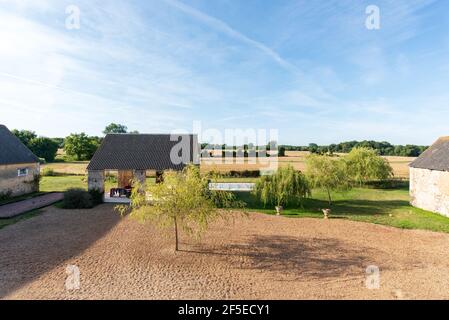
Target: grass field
point(71, 168)
point(380, 206)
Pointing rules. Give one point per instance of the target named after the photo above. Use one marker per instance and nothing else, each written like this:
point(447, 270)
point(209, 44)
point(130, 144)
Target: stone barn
point(429, 178)
point(19, 167)
point(132, 156)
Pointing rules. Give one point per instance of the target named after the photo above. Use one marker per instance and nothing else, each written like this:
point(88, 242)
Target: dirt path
point(14, 209)
point(255, 257)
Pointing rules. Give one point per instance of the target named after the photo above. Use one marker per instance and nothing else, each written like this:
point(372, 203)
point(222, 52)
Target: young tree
point(182, 201)
point(285, 186)
point(44, 148)
point(365, 164)
point(80, 146)
point(115, 128)
point(327, 173)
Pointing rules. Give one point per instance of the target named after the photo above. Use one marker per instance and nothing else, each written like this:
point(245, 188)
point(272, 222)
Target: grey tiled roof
point(12, 150)
point(140, 151)
point(434, 158)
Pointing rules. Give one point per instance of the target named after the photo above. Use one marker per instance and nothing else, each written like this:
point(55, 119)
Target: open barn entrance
point(118, 186)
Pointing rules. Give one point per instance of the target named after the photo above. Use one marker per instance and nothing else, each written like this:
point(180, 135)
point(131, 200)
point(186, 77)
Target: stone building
point(19, 167)
point(133, 155)
point(429, 178)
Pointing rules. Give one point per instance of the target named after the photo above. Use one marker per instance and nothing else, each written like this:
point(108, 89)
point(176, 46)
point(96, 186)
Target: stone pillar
point(95, 180)
point(140, 175)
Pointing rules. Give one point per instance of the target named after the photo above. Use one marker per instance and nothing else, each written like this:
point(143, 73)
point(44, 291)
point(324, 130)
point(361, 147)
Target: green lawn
point(381, 206)
point(62, 183)
point(360, 204)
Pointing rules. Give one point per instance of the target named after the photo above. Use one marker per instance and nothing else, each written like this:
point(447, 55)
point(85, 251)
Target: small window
point(22, 172)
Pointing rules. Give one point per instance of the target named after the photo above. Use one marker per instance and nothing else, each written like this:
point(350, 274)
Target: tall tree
point(115, 128)
point(365, 164)
point(181, 201)
point(80, 146)
point(25, 136)
point(44, 148)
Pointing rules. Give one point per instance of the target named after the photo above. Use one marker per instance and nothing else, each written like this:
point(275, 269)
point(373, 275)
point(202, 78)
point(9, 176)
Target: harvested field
point(297, 160)
point(69, 168)
point(256, 257)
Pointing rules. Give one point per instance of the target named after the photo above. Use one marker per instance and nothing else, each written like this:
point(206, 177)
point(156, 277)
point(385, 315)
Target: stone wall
point(11, 183)
point(429, 190)
point(95, 180)
point(140, 176)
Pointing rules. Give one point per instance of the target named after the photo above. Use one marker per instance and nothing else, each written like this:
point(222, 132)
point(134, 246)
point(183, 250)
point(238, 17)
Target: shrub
point(244, 174)
point(5, 195)
point(97, 196)
point(48, 172)
point(388, 184)
point(77, 199)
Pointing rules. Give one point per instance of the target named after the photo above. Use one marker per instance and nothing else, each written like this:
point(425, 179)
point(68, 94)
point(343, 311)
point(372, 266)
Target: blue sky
point(310, 69)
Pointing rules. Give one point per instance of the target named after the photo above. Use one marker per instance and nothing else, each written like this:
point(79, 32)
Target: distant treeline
point(384, 148)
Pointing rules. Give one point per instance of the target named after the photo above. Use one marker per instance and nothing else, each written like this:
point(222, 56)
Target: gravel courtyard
point(255, 257)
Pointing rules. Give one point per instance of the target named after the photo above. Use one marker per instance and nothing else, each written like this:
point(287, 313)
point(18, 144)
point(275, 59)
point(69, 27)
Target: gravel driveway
point(14, 209)
point(253, 257)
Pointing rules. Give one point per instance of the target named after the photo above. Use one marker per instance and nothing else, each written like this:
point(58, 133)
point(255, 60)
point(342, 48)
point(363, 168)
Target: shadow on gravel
point(297, 258)
point(32, 247)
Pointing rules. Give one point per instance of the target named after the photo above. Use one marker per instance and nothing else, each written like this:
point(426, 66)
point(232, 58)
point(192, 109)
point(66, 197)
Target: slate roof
point(434, 158)
point(141, 152)
point(12, 150)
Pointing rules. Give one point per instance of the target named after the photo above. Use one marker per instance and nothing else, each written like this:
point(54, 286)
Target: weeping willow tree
point(365, 164)
point(286, 186)
point(182, 201)
point(328, 173)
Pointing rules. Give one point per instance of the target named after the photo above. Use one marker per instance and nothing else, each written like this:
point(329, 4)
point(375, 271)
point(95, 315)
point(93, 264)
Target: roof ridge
point(12, 150)
point(436, 157)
